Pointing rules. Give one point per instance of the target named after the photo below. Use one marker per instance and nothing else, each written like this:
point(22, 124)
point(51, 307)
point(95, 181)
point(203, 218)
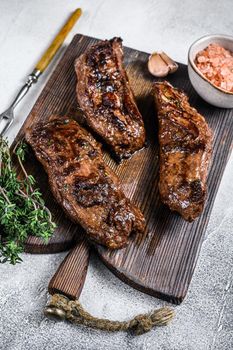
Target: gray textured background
point(204, 320)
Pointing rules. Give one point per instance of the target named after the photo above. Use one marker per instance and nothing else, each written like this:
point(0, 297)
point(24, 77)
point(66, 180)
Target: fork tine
point(7, 125)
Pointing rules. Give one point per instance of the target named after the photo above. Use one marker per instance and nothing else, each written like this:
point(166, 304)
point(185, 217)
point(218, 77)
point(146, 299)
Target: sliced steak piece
point(185, 151)
point(105, 96)
point(82, 183)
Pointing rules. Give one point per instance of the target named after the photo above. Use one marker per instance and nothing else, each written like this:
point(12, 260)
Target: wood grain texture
point(70, 276)
point(160, 262)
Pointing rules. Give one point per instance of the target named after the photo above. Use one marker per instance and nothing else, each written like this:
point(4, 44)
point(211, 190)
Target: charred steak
point(82, 183)
point(105, 96)
point(185, 150)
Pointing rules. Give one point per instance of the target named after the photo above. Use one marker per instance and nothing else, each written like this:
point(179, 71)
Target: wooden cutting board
point(162, 261)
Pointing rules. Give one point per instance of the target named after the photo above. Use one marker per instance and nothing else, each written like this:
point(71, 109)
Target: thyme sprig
point(22, 209)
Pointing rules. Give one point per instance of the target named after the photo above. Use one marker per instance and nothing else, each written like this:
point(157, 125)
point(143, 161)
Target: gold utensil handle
point(57, 42)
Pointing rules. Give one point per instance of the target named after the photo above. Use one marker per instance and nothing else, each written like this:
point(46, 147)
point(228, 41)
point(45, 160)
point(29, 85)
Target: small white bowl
point(209, 92)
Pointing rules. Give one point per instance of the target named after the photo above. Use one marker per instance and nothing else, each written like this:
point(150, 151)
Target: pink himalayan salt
point(216, 64)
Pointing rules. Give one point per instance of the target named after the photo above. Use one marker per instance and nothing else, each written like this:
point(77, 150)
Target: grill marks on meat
point(105, 96)
point(82, 183)
point(185, 150)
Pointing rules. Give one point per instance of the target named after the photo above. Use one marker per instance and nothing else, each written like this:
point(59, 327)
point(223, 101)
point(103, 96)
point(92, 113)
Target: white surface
point(204, 320)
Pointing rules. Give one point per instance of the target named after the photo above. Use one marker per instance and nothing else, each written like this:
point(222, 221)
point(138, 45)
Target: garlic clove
point(173, 66)
point(157, 66)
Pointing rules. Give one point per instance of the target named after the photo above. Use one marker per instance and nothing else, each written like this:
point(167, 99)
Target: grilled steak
point(105, 96)
point(185, 150)
point(82, 183)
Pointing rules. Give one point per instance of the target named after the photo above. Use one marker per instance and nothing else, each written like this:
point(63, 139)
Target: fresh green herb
point(22, 209)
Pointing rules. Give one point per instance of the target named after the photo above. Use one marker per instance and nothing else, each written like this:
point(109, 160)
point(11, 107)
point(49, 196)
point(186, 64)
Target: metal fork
point(9, 113)
point(43, 63)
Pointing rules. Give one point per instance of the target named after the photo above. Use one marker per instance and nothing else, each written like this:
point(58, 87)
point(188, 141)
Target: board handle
point(57, 42)
point(70, 275)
